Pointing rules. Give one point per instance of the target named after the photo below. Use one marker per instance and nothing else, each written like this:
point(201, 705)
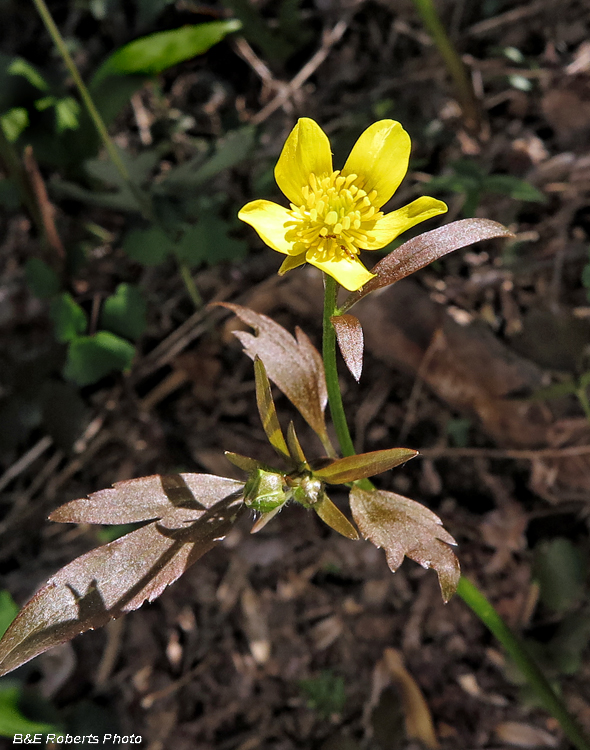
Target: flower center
point(336, 219)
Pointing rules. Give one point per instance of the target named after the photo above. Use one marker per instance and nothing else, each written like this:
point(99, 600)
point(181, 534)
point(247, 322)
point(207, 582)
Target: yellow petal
point(306, 150)
point(380, 159)
point(393, 224)
point(349, 272)
point(268, 219)
point(291, 262)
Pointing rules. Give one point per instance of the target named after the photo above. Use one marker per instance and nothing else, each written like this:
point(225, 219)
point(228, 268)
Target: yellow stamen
point(336, 219)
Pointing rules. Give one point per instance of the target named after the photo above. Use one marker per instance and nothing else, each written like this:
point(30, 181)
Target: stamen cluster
point(336, 218)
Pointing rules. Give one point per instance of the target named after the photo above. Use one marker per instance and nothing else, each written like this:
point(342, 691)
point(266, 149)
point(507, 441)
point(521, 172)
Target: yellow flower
point(334, 214)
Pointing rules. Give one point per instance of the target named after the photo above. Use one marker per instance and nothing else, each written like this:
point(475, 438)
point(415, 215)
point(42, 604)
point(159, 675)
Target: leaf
point(513, 187)
point(349, 334)
point(124, 313)
point(147, 498)
point(41, 278)
point(21, 67)
point(363, 465)
point(12, 720)
point(14, 122)
point(8, 611)
point(294, 365)
point(194, 511)
point(90, 358)
point(69, 319)
point(230, 150)
point(67, 114)
point(147, 246)
point(423, 249)
point(245, 463)
point(295, 449)
point(208, 241)
point(404, 527)
point(334, 518)
point(154, 53)
point(267, 410)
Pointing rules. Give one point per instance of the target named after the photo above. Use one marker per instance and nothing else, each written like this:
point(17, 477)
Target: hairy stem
point(474, 599)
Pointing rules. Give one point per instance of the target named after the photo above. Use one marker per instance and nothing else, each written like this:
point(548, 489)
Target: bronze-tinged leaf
point(147, 498)
point(294, 365)
point(404, 527)
point(349, 334)
point(295, 449)
point(334, 518)
point(116, 578)
point(363, 465)
point(267, 410)
point(423, 249)
point(245, 463)
point(265, 518)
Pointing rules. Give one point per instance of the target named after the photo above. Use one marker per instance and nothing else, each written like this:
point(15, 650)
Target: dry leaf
point(349, 334)
point(195, 511)
point(423, 249)
point(404, 527)
point(416, 712)
point(294, 365)
point(363, 465)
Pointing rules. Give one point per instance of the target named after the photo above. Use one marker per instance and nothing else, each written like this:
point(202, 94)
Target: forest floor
point(284, 639)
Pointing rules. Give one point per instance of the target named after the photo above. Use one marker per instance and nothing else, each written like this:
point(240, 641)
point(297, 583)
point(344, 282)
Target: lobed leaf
point(195, 511)
point(294, 365)
point(363, 465)
point(404, 527)
point(349, 334)
point(423, 249)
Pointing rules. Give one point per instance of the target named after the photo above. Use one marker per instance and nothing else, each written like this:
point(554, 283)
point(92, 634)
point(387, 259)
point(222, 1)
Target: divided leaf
point(404, 527)
point(363, 465)
point(194, 511)
point(423, 249)
point(294, 365)
point(349, 334)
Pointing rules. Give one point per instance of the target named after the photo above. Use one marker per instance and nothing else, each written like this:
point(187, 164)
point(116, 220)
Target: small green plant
point(324, 694)
point(577, 387)
point(468, 178)
point(91, 355)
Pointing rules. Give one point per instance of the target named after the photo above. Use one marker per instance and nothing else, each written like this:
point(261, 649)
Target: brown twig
point(330, 38)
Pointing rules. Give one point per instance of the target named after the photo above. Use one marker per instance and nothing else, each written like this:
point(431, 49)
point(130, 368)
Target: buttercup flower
point(335, 214)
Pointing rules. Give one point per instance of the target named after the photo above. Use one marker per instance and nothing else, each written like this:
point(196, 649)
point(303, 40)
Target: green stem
point(189, 283)
point(519, 654)
point(431, 20)
point(474, 599)
point(101, 128)
point(329, 355)
point(143, 200)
